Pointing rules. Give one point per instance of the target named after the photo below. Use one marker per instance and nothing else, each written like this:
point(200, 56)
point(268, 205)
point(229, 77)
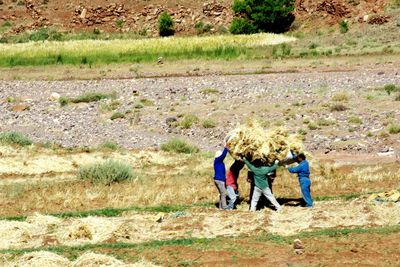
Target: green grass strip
point(72, 250)
point(114, 212)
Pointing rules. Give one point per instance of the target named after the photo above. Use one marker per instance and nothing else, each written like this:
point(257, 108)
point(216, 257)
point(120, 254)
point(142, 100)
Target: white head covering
point(218, 153)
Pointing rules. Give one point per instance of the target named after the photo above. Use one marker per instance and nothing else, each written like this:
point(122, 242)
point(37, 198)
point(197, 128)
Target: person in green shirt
point(261, 183)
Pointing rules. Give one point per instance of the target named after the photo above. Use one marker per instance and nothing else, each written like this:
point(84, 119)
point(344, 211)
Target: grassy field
point(142, 50)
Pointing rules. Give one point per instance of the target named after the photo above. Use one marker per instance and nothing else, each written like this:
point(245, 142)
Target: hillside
point(141, 16)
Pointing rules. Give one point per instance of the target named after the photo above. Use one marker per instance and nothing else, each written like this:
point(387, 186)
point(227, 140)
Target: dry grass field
point(170, 205)
point(69, 108)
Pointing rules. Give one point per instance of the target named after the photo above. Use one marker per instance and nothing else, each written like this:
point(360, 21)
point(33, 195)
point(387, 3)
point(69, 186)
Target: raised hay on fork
point(255, 143)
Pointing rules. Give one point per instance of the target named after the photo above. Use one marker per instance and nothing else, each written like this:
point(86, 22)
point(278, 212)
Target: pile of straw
point(88, 259)
point(391, 196)
point(255, 143)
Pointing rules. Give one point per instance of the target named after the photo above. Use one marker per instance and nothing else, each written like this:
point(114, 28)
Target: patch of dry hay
point(254, 142)
point(41, 259)
point(137, 227)
point(89, 259)
point(391, 196)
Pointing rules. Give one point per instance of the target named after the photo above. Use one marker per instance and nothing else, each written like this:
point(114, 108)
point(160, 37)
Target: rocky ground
point(155, 107)
point(141, 16)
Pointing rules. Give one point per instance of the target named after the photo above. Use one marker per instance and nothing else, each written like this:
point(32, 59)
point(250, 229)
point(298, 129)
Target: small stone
point(297, 244)
point(55, 96)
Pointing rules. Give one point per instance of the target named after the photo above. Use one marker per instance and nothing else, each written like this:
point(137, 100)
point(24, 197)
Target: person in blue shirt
point(303, 173)
point(220, 176)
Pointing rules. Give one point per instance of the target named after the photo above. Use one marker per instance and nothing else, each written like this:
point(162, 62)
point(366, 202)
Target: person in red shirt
point(231, 183)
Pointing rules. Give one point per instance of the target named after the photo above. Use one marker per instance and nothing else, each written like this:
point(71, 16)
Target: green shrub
point(63, 101)
point(338, 107)
point(390, 88)
point(202, 28)
point(355, 120)
point(138, 106)
point(179, 146)
point(325, 122)
point(39, 35)
point(108, 172)
point(109, 145)
point(90, 97)
point(165, 25)
point(96, 31)
point(210, 90)
point(7, 24)
point(394, 128)
point(209, 123)
point(343, 26)
point(242, 26)
point(10, 99)
point(146, 102)
point(312, 126)
point(341, 97)
point(264, 16)
point(302, 132)
point(117, 115)
point(14, 138)
point(188, 121)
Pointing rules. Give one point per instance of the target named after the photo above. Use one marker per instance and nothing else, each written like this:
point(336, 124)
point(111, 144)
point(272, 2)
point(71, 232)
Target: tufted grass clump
point(179, 146)
point(394, 128)
point(208, 123)
point(107, 173)
point(189, 120)
point(109, 145)
point(14, 138)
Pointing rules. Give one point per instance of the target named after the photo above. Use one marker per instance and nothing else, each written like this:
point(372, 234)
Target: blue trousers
point(305, 184)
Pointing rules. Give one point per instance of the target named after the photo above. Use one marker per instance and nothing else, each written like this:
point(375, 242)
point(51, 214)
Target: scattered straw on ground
point(88, 259)
point(254, 142)
point(198, 222)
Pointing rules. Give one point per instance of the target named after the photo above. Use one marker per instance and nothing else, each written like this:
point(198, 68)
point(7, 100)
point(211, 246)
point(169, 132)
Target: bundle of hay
point(255, 143)
point(391, 196)
point(41, 259)
point(94, 259)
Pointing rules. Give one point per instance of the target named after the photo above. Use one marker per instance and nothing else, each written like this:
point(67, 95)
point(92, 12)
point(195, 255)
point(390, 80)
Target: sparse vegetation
point(202, 28)
point(117, 115)
point(14, 138)
point(107, 172)
point(179, 146)
point(394, 128)
point(325, 122)
point(207, 91)
point(338, 107)
point(209, 123)
point(341, 97)
point(188, 121)
point(390, 88)
point(355, 120)
point(313, 126)
point(85, 98)
point(109, 145)
point(146, 102)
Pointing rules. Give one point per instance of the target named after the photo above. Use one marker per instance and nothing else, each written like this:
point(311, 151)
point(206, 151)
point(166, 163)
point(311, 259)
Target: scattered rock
point(55, 97)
